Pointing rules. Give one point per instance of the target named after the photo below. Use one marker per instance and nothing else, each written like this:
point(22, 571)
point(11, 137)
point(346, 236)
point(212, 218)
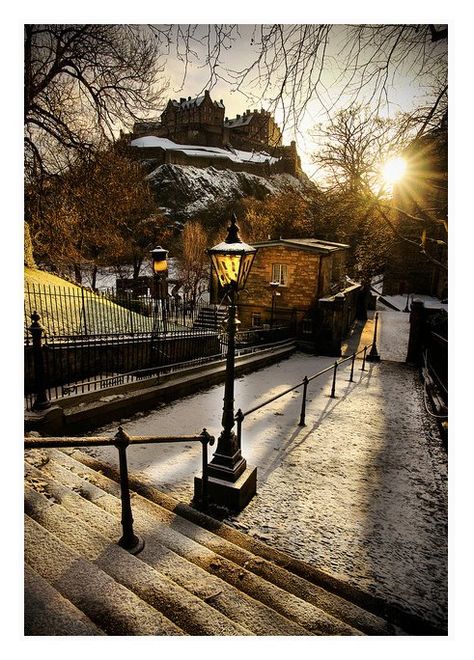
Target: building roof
point(243, 120)
point(234, 155)
point(184, 104)
point(306, 244)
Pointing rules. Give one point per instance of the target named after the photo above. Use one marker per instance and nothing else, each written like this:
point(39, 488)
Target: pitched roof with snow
point(185, 104)
point(306, 244)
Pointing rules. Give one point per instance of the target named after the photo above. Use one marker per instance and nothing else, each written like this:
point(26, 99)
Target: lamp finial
point(233, 231)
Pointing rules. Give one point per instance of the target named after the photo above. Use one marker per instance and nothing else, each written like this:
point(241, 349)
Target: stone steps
point(187, 579)
point(211, 318)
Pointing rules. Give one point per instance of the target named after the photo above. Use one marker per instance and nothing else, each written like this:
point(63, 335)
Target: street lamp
point(231, 483)
point(160, 283)
point(274, 286)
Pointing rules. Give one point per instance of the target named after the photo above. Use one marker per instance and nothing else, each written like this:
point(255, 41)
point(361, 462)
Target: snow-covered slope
point(186, 190)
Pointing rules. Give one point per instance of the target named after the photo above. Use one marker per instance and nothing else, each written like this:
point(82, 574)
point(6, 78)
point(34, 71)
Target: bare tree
point(288, 66)
point(102, 211)
point(354, 145)
point(81, 83)
point(193, 261)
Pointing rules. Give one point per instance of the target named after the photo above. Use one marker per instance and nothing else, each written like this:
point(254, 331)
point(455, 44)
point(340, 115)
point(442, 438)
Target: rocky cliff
point(184, 191)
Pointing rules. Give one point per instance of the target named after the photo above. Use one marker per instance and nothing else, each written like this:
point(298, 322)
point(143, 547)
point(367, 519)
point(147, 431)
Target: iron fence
point(78, 364)
point(67, 311)
point(371, 355)
point(436, 357)
point(61, 366)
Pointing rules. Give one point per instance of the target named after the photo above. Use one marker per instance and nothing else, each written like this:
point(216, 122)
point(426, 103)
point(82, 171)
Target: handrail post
point(351, 377)
point(42, 401)
point(129, 541)
point(374, 356)
point(364, 358)
point(303, 402)
point(206, 439)
point(333, 389)
point(239, 417)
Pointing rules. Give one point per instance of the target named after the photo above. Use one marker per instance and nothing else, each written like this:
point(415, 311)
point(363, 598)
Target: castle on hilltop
point(250, 142)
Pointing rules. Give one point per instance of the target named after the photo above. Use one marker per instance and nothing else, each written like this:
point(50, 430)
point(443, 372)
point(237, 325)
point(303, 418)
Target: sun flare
point(394, 169)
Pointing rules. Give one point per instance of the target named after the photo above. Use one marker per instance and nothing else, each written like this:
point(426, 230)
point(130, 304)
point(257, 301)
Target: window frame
point(279, 270)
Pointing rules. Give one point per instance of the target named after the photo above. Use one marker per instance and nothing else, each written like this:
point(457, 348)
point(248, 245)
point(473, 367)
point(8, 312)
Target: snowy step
point(155, 524)
point(306, 616)
point(210, 317)
point(242, 550)
point(109, 605)
point(228, 600)
point(192, 614)
point(49, 613)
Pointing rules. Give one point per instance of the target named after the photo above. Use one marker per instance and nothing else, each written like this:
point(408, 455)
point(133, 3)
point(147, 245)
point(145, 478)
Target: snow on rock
point(186, 190)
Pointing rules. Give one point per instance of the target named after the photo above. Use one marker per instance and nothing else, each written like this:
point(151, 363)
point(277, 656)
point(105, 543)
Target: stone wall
point(74, 361)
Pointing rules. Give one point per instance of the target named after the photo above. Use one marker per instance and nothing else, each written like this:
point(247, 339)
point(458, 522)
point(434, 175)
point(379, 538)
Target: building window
point(256, 320)
point(280, 274)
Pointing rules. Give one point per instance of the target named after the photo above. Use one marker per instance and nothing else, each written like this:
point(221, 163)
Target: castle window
point(280, 274)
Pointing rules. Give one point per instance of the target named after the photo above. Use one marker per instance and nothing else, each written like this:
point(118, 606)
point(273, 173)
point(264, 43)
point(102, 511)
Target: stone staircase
point(211, 317)
point(195, 575)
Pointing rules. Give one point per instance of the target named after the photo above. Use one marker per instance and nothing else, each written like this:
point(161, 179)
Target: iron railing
point(61, 366)
point(368, 355)
point(129, 540)
point(79, 311)
point(436, 360)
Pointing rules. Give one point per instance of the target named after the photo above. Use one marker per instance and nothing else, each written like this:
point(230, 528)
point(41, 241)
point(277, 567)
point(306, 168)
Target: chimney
point(221, 102)
point(189, 98)
point(206, 92)
point(237, 116)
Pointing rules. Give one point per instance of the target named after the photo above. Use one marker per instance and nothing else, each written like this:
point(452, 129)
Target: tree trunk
point(77, 274)
point(137, 263)
point(94, 278)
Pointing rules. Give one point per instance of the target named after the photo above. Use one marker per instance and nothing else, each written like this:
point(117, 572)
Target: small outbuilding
point(302, 283)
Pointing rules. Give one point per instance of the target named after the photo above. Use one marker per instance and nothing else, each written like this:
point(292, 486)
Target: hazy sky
point(404, 91)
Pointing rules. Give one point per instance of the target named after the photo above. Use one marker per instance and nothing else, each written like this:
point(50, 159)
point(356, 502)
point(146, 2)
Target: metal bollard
point(129, 541)
point(351, 377)
point(239, 418)
point(374, 356)
point(363, 361)
point(333, 389)
point(206, 440)
point(303, 402)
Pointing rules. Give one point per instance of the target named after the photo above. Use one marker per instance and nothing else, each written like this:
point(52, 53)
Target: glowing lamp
point(159, 256)
point(232, 259)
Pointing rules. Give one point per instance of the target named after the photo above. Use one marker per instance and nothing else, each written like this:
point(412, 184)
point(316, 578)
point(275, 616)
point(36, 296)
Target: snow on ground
point(360, 491)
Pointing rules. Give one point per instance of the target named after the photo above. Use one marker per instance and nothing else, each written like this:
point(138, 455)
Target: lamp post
point(160, 283)
point(274, 286)
point(231, 482)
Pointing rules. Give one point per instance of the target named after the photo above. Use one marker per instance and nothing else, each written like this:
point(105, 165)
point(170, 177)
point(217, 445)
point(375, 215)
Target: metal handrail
point(306, 379)
point(240, 415)
point(121, 440)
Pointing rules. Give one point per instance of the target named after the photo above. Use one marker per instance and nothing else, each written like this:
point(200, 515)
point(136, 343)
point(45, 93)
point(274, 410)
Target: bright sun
point(394, 169)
